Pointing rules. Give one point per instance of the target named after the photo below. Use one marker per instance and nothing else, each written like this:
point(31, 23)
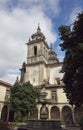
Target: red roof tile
point(5, 83)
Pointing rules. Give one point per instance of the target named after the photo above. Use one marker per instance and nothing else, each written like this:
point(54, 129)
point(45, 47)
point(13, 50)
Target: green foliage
point(81, 122)
point(4, 125)
point(72, 44)
point(23, 99)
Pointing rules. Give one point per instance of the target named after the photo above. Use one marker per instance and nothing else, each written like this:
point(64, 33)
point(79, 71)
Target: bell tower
point(37, 48)
point(41, 61)
point(37, 58)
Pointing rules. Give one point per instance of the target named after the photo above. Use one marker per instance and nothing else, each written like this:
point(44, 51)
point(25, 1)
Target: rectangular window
point(7, 96)
point(54, 95)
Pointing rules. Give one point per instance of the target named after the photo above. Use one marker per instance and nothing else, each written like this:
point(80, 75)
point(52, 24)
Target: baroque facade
point(42, 63)
point(43, 67)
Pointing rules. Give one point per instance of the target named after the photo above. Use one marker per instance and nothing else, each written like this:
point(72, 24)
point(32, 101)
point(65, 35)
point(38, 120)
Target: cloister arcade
point(64, 112)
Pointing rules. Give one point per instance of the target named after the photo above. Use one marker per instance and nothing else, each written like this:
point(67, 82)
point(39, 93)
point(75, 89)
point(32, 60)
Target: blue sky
point(19, 20)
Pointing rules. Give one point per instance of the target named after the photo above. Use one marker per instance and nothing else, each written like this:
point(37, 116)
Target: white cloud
point(74, 14)
point(60, 55)
point(49, 6)
point(15, 29)
point(10, 78)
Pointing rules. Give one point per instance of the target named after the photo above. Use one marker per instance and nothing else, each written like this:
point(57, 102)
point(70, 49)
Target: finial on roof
point(29, 39)
point(17, 79)
point(38, 28)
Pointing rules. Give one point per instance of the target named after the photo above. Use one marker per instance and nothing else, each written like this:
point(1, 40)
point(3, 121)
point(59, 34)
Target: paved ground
point(67, 128)
point(73, 128)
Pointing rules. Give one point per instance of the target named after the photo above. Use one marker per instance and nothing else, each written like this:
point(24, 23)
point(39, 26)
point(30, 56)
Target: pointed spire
point(17, 79)
point(38, 28)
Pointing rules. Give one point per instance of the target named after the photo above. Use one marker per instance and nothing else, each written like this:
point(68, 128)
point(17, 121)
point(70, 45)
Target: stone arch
point(55, 112)
point(4, 113)
point(35, 50)
point(44, 112)
point(78, 114)
point(67, 115)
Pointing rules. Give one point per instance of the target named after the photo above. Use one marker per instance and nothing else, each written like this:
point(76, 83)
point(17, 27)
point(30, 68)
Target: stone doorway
point(4, 113)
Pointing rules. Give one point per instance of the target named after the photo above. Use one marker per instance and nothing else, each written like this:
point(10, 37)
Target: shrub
point(4, 125)
point(81, 122)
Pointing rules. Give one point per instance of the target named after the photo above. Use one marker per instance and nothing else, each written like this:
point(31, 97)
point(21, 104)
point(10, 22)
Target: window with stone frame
point(54, 95)
point(7, 96)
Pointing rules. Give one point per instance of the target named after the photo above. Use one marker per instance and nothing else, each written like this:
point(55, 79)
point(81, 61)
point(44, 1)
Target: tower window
point(35, 50)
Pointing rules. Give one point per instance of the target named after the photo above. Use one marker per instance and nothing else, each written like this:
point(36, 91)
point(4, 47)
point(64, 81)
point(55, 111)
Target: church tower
point(40, 61)
point(37, 48)
point(37, 58)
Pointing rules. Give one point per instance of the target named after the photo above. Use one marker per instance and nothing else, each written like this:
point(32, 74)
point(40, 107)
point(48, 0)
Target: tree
point(73, 62)
point(23, 99)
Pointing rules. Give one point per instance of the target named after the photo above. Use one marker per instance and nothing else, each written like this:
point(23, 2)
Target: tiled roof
point(5, 83)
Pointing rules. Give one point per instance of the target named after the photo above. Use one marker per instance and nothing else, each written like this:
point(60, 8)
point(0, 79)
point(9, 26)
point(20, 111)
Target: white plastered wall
point(61, 96)
point(2, 97)
point(55, 73)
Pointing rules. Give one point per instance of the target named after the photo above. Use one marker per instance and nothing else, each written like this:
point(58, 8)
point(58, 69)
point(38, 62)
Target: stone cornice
point(36, 56)
point(47, 65)
point(55, 64)
point(51, 86)
point(38, 41)
point(37, 63)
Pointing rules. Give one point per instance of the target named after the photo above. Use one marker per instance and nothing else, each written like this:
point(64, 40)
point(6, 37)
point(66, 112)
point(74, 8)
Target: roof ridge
point(6, 83)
